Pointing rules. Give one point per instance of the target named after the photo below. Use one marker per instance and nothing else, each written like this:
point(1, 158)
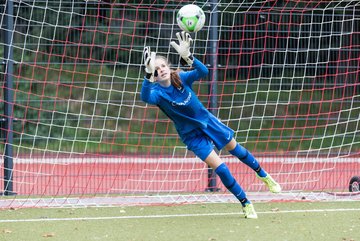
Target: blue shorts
point(201, 141)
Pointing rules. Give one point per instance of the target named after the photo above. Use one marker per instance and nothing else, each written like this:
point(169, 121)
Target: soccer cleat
point(249, 211)
point(273, 186)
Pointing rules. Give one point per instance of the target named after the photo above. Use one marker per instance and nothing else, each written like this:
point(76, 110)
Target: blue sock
point(246, 157)
point(231, 184)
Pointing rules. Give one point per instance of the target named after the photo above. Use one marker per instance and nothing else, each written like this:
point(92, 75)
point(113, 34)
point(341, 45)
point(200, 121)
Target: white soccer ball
point(190, 18)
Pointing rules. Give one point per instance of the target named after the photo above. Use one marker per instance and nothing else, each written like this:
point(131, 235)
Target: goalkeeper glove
point(183, 48)
point(149, 61)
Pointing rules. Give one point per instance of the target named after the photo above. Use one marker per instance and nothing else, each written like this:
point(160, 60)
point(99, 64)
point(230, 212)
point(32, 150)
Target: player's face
point(163, 70)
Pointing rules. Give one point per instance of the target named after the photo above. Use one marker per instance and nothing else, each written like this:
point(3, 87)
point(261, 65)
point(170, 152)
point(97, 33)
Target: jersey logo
point(188, 98)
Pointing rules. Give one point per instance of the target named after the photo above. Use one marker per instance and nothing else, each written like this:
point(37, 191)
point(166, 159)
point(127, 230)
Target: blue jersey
point(182, 106)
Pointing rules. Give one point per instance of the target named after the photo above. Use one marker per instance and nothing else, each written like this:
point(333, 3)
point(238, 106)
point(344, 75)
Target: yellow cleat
point(249, 211)
point(273, 186)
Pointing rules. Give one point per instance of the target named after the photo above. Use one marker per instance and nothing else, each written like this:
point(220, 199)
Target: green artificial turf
point(338, 221)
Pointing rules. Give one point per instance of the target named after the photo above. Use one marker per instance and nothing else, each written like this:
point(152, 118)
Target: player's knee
point(240, 152)
point(226, 177)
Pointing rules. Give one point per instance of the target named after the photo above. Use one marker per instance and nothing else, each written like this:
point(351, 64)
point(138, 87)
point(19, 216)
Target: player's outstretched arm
point(149, 61)
point(183, 48)
point(146, 89)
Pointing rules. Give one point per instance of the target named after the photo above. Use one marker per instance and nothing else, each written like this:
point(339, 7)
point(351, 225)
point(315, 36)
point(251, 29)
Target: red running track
point(139, 177)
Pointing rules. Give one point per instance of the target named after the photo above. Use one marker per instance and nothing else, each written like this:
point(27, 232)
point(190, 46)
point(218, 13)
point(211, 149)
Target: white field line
point(173, 215)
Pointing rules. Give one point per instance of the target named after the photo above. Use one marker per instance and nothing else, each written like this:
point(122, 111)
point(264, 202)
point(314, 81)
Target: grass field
point(338, 221)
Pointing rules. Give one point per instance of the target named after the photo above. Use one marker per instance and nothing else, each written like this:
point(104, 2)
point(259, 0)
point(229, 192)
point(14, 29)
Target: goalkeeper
point(199, 129)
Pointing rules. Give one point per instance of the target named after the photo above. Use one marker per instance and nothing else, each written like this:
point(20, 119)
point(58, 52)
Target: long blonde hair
point(174, 74)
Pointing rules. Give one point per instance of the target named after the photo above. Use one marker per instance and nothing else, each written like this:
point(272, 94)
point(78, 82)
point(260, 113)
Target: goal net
point(284, 75)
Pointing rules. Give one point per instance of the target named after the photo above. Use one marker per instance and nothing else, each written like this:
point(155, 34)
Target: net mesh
point(283, 74)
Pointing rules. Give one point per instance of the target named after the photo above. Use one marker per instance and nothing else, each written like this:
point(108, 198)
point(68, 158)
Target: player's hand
point(149, 61)
point(183, 48)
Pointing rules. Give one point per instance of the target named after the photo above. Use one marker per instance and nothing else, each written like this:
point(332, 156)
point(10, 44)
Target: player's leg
point(222, 170)
point(246, 157)
point(222, 136)
point(203, 148)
